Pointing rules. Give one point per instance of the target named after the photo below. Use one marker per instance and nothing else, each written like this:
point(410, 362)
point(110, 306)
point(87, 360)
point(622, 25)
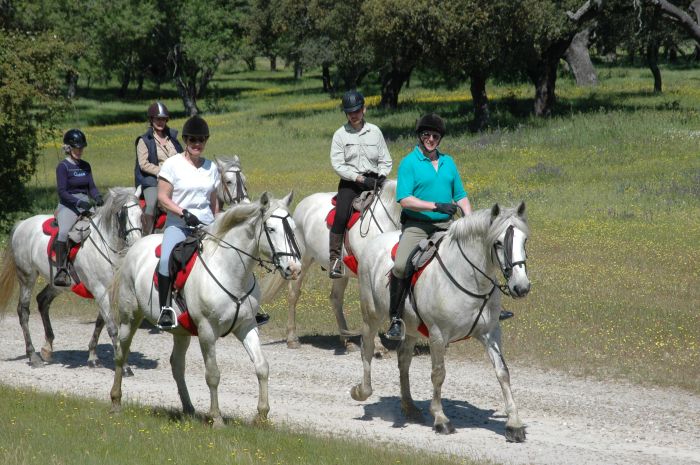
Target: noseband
point(289, 238)
point(125, 226)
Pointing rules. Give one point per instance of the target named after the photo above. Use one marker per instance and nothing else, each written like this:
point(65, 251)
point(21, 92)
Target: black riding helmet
point(158, 110)
point(431, 121)
point(352, 101)
point(75, 138)
point(195, 127)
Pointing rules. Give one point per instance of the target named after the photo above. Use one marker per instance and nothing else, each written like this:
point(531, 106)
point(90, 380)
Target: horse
point(114, 226)
point(232, 189)
point(310, 216)
point(456, 296)
point(221, 291)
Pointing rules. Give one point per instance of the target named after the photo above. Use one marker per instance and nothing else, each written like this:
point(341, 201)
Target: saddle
point(359, 205)
point(182, 260)
point(159, 221)
point(78, 233)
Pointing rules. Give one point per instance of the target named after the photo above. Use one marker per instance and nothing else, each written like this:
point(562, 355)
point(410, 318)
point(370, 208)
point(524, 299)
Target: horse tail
point(270, 287)
point(8, 277)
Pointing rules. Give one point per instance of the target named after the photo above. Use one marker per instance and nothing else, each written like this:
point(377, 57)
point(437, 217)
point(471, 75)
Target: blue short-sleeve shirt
point(419, 179)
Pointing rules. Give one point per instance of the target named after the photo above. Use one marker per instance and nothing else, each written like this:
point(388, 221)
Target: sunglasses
point(430, 135)
point(197, 140)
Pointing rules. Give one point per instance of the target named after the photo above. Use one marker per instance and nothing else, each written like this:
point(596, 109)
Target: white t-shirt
point(192, 187)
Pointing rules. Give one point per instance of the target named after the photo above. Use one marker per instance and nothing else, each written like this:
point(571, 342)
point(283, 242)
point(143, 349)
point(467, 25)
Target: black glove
point(447, 208)
point(83, 205)
point(190, 219)
point(369, 183)
point(99, 201)
point(380, 180)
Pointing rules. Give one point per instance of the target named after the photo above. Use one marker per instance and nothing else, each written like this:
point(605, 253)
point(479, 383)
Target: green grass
point(37, 429)
point(611, 181)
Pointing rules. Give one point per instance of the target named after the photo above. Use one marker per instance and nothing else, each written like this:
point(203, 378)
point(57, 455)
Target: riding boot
point(167, 319)
point(261, 318)
point(397, 296)
point(505, 314)
point(147, 224)
point(62, 277)
point(335, 249)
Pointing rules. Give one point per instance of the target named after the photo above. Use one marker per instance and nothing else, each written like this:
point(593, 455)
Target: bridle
point(290, 241)
point(507, 247)
point(125, 226)
point(241, 193)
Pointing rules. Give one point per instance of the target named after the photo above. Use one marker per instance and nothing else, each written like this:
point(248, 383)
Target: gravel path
point(569, 420)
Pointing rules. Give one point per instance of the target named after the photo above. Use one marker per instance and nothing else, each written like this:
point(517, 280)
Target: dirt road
point(569, 420)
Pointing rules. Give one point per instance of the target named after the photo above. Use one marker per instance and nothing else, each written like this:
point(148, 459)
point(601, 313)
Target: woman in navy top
point(77, 193)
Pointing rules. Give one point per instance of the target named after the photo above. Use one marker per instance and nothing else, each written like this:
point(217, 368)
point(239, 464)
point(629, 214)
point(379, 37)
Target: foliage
point(30, 105)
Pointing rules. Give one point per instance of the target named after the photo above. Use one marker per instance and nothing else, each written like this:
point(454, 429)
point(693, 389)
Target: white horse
point(221, 291)
point(232, 189)
point(115, 226)
point(310, 216)
point(456, 296)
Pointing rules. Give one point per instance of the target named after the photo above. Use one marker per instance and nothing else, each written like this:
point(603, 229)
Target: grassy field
point(611, 181)
point(37, 429)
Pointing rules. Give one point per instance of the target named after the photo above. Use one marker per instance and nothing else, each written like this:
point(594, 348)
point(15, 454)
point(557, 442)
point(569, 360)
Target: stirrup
point(62, 278)
point(397, 330)
point(167, 318)
point(261, 318)
point(336, 270)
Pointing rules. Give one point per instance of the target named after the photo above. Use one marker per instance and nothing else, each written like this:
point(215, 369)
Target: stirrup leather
point(173, 316)
point(336, 270)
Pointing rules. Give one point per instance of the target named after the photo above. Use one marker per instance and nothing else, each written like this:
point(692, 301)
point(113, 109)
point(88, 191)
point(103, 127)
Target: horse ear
point(495, 211)
point(287, 200)
point(236, 159)
point(265, 201)
point(218, 162)
point(521, 209)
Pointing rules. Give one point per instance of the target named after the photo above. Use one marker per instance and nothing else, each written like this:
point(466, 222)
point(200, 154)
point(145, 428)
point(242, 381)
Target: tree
point(31, 101)
point(263, 29)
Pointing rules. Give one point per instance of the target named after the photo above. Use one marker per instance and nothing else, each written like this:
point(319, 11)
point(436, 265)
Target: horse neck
point(236, 265)
point(475, 247)
point(106, 234)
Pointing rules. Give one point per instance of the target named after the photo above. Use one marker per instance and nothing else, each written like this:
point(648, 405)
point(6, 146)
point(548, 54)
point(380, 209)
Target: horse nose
point(520, 290)
point(293, 270)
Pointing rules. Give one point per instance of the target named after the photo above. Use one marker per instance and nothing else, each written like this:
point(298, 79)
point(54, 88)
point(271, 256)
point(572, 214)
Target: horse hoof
point(94, 364)
point(413, 414)
point(444, 428)
point(46, 355)
point(126, 372)
point(382, 354)
point(293, 344)
point(217, 423)
point(351, 347)
point(35, 361)
point(515, 434)
point(356, 393)
point(116, 408)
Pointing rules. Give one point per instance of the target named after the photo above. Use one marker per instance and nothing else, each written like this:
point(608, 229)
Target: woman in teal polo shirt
point(429, 189)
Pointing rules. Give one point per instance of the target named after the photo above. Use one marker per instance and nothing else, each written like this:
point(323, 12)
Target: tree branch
point(586, 11)
point(684, 19)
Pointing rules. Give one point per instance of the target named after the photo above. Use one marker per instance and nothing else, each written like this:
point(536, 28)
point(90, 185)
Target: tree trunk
point(326, 76)
point(543, 75)
point(579, 59)
point(298, 69)
point(653, 63)
point(125, 80)
point(71, 84)
point(250, 63)
point(391, 86)
point(273, 63)
point(188, 94)
point(139, 88)
point(480, 99)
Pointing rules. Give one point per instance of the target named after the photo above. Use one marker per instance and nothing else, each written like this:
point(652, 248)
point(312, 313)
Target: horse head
point(122, 215)
point(279, 227)
point(507, 238)
point(232, 189)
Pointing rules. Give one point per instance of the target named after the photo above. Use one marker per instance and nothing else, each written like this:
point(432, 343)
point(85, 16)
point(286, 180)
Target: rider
point(156, 145)
point(77, 194)
point(361, 158)
point(187, 185)
point(428, 182)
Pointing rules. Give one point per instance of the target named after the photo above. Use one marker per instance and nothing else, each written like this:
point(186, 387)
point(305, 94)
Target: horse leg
point(25, 293)
point(442, 424)
point(405, 356)
point(337, 297)
point(294, 293)
point(363, 390)
point(177, 364)
point(515, 430)
point(93, 360)
point(207, 343)
point(127, 330)
point(44, 299)
point(251, 342)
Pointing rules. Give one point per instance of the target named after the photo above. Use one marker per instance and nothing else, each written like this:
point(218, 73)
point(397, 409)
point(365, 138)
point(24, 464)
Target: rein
point(123, 232)
point(370, 210)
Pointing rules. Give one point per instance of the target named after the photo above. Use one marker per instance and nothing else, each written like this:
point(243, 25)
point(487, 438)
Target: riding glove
point(99, 201)
point(369, 183)
point(191, 220)
point(83, 205)
point(380, 180)
point(447, 208)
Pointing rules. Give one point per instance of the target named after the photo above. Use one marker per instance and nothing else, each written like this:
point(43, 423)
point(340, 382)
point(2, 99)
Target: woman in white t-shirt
point(187, 185)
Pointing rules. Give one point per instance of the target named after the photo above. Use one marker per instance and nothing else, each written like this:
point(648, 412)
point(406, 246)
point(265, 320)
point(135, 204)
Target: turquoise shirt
point(419, 179)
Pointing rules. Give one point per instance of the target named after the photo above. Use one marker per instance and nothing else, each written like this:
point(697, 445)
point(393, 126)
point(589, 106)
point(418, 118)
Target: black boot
point(62, 278)
point(335, 249)
point(505, 314)
point(146, 224)
point(397, 296)
point(261, 318)
point(167, 319)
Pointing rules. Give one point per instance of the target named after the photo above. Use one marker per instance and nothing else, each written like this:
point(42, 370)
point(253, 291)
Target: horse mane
point(235, 215)
point(479, 225)
point(116, 198)
point(388, 198)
